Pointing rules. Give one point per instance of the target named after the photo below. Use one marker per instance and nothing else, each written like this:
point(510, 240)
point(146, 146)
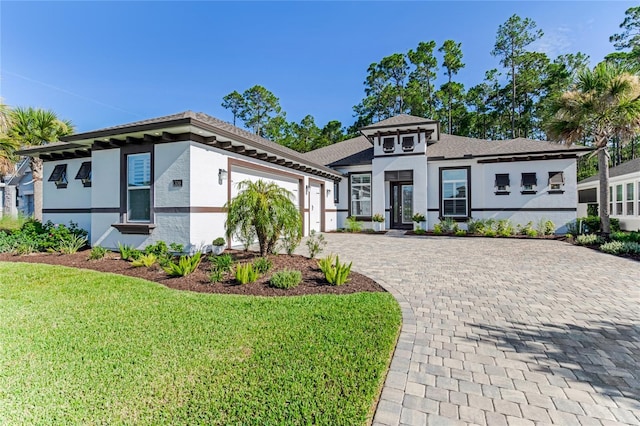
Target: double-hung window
point(630, 201)
point(619, 200)
point(610, 200)
point(455, 194)
point(361, 194)
point(139, 187)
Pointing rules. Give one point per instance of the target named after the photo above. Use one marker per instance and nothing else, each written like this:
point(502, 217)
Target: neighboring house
point(404, 165)
point(16, 191)
point(169, 178)
point(624, 194)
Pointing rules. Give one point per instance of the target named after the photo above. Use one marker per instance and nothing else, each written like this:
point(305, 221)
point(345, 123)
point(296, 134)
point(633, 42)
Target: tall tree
point(420, 86)
point(606, 103)
point(512, 39)
point(629, 38)
point(256, 107)
point(452, 62)
point(234, 102)
point(35, 127)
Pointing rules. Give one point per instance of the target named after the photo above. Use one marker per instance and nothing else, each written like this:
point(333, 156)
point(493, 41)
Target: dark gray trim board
point(518, 209)
point(191, 209)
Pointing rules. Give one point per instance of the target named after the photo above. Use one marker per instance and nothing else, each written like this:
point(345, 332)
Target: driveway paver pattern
point(505, 331)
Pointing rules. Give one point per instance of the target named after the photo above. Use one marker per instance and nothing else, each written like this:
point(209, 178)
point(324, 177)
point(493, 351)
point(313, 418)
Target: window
point(502, 183)
point(529, 183)
point(387, 145)
point(454, 192)
point(407, 143)
point(618, 200)
point(84, 174)
point(611, 200)
point(630, 203)
point(360, 194)
point(638, 209)
point(556, 182)
point(59, 176)
point(139, 187)
point(336, 192)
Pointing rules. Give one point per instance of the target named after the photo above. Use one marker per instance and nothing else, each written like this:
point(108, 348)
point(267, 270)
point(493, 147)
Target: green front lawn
point(82, 347)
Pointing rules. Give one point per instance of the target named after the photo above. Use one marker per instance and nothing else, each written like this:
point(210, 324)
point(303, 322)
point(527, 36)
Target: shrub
point(262, 265)
point(620, 247)
point(72, 244)
point(25, 247)
point(291, 240)
point(447, 224)
point(377, 218)
point(588, 240)
point(418, 217)
point(97, 253)
point(545, 227)
point(460, 233)
point(437, 229)
point(219, 242)
point(176, 248)
point(527, 230)
point(419, 231)
point(160, 251)
point(10, 223)
point(245, 273)
point(246, 236)
point(286, 279)
point(315, 244)
point(216, 275)
point(353, 225)
point(530, 232)
point(264, 208)
point(146, 260)
point(476, 226)
point(504, 228)
point(489, 233)
point(592, 224)
point(185, 266)
point(128, 253)
point(632, 236)
point(335, 273)
point(223, 263)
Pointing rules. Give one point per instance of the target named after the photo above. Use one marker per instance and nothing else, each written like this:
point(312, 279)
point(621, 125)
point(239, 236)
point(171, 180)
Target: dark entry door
point(401, 205)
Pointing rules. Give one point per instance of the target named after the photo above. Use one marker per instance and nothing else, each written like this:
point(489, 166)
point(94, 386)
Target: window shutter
point(85, 171)
point(529, 179)
point(502, 180)
point(58, 173)
point(556, 178)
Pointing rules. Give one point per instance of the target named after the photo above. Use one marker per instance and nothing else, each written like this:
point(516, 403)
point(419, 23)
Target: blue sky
point(105, 63)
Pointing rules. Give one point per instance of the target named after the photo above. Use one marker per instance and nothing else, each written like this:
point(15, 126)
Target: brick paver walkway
point(505, 331)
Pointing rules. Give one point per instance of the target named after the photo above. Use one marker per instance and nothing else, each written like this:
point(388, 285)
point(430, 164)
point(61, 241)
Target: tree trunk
point(36, 173)
point(603, 168)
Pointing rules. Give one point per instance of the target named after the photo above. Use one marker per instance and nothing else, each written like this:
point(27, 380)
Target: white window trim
point(358, 185)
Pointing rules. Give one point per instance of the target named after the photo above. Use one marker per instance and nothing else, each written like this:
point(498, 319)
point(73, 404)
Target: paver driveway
point(505, 331)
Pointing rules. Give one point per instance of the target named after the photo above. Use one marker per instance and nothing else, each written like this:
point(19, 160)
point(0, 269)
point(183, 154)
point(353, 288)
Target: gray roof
point(399, 120)
point(631, 166)
point(359, 150)
point(328, 155)
point(200, 119)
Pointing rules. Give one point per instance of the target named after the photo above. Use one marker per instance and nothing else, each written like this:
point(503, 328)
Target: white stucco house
point(624, 194)
point(168, 178)
point(405, 165)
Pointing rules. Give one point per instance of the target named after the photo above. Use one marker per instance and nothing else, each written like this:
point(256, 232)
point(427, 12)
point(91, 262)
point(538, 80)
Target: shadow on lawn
point(606, 355)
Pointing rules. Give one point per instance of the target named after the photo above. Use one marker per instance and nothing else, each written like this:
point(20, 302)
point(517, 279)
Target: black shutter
point(502, 179)
point(529, 179)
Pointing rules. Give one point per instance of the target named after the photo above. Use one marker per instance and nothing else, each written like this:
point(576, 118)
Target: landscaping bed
point(313, 280)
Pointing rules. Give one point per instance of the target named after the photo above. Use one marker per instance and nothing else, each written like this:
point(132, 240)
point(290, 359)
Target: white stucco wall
point(517, 207)
point(74, 196)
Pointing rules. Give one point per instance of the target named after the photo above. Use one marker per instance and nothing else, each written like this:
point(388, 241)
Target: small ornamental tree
point(266, 208)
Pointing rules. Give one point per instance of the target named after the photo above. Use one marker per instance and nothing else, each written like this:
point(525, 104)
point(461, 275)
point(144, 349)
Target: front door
point(315, 208)
point(401, 205)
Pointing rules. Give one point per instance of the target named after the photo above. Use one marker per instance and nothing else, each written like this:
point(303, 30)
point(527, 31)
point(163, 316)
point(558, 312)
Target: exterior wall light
point(222, 175)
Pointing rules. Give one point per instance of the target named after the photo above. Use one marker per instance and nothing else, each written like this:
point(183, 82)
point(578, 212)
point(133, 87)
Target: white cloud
point(555, 42)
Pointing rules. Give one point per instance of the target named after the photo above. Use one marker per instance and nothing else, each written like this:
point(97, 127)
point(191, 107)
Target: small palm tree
point(7, 145)
point(35, 127)
point(265, 207)
point(605, 102)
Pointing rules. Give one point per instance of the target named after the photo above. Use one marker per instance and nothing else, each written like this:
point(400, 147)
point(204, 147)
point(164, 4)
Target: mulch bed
point(518, 237)
point(313, 281)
